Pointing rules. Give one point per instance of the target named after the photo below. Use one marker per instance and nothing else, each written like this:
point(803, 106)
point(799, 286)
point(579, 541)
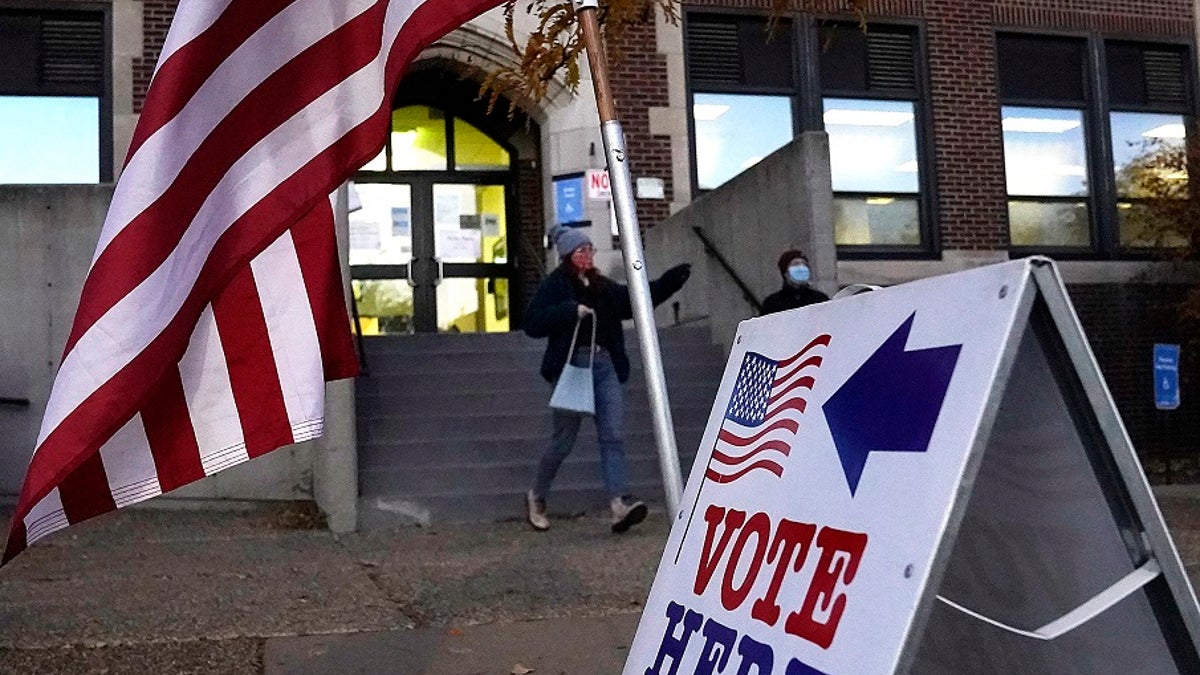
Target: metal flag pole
point(631, 248)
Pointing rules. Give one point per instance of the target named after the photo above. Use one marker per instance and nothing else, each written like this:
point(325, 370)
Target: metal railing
point(715, 254)
point(15, 402)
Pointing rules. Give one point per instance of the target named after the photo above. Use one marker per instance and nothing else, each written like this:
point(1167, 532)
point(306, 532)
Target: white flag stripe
point(158, 162)
point(209, 397)
point(129, 465)
point(746, 432)
point(292, 330)
point(45, 517)
point(137, 318)
point(189, 22)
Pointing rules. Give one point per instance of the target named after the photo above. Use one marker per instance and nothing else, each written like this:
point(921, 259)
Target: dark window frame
point(927, 197)
point(1102, 195)
point(807, 96)
point(103, 11)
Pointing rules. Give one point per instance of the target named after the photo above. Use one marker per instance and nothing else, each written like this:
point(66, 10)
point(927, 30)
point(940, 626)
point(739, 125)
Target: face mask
point(799, 274)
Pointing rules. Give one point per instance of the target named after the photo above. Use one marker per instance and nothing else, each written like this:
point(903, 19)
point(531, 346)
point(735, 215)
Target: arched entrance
point(433, 246)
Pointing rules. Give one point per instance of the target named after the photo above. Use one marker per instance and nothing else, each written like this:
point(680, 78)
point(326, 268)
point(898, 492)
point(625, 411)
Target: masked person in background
point(577, 292)
point(796, 292)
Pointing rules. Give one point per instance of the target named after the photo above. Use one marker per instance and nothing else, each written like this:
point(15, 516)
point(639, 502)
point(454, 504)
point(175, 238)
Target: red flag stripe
point(731, 438)
point(107, 376)
point(805, 382)
point(813, 361)
point(137, 318)
point(84, 492)
point(209, 398)
point(60, 452)
point(316, 250)
point(778, 446)
point(170, 433)
point(163, 155)
point(819, 341)
point(797, 404)
point(252, 367)
point(157, 232)
point(765, 464)
point(182, 71)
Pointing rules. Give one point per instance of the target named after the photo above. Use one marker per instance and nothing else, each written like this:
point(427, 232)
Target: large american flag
point(763, 414)
point(213, 310)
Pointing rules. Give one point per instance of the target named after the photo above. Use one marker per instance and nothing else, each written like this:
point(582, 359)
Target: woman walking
point(576, 292)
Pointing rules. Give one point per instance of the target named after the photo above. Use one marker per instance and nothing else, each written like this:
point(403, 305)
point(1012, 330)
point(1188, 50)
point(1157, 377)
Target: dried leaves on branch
point(556, 43)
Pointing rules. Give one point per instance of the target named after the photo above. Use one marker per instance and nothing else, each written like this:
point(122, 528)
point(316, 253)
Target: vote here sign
point(825, 480)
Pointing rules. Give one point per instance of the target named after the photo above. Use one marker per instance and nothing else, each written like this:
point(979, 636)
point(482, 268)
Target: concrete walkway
point(142, 591)
point(157, 591)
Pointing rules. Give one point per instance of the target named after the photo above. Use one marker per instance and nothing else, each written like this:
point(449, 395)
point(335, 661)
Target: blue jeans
point(609, 430)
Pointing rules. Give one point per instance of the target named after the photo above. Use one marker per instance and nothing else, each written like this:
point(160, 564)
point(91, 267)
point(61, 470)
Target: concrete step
point(469, 381)
point(412, 365)
point(534, 422)
point(446, 343)
point(580, 468)
point(420, 455)
point(392, 510)
point(512, 399)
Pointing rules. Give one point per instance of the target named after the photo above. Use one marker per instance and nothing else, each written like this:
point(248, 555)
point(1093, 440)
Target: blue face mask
point(799, 274)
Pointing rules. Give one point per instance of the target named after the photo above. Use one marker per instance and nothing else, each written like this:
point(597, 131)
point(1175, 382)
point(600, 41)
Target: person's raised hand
point(678, 275)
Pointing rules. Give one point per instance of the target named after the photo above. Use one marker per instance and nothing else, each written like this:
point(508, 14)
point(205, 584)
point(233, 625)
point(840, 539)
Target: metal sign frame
point(1044, 307)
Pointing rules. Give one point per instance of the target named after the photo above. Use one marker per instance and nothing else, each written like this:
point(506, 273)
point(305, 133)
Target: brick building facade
point(964, 196)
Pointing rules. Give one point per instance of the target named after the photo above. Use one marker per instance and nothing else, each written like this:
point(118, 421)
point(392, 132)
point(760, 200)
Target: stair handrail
point(711, 249)
point(17, 402)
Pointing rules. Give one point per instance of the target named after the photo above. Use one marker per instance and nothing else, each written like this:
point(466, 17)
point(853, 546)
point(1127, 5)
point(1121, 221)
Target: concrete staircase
point(450, 427)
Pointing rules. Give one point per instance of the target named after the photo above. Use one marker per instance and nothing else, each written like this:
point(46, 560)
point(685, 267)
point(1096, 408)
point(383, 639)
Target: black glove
point(677, 276)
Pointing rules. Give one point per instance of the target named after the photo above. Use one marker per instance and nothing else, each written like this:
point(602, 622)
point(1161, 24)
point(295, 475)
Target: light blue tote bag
point(574, 393)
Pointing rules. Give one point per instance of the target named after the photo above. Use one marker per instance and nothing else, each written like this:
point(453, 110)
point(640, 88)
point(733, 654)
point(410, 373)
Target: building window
point(55, 117)
point(1088, 167)
point(748, 101)
point(735, 131)
point(1148, 122)
point(743, 93)
point(870, 109)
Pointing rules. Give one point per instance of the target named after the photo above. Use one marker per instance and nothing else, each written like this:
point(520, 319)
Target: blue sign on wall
point(568, 200)
point(1166, 377)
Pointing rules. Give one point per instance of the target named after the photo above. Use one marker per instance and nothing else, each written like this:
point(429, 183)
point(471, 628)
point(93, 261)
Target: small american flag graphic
point(762, 418)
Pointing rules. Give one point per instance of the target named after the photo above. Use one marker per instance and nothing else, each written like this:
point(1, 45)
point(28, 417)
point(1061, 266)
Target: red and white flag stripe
point(213, 311)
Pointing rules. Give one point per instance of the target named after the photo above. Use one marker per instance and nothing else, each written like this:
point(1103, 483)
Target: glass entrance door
point(381, 255)
point(471, 253)
point(429, 246)
point(431, 257)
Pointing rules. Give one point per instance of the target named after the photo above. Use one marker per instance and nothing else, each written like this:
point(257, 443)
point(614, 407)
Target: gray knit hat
point(567, 239)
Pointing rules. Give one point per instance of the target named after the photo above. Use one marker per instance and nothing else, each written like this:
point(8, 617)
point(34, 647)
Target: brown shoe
point(535, 512)
point(627, 512)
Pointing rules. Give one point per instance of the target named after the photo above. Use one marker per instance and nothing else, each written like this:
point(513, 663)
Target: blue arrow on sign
point(890, 403)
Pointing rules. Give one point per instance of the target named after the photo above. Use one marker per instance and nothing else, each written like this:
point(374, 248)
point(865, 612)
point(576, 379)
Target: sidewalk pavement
point(267, 591)
point(188, 591)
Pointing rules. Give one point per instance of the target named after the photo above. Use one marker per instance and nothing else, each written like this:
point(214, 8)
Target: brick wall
point(1168, 440)
point(156, 20)
point(639, 82)
point(530, 254)
point(960, 40)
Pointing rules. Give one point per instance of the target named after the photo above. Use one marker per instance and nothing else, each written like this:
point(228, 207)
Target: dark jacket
point(554, 311)
point(790, 297)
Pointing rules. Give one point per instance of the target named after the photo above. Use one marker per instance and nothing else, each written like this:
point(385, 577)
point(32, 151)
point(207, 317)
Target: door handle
point(441, 270)
point(408, 272)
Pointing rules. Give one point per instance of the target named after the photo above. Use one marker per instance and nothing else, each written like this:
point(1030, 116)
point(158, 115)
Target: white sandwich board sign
point(929, 478)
